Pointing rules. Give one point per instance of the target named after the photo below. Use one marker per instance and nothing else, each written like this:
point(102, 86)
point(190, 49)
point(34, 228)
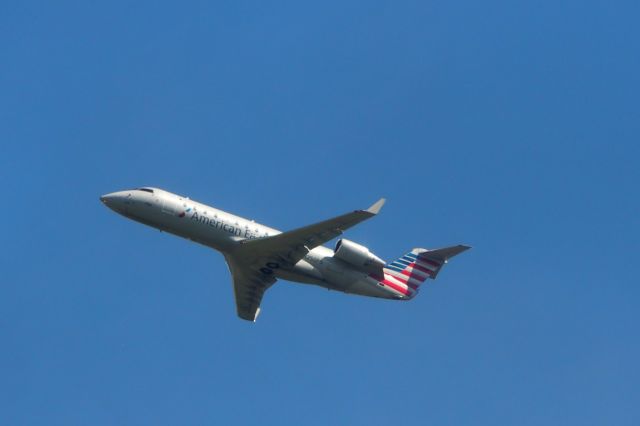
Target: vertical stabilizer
point(411, 270)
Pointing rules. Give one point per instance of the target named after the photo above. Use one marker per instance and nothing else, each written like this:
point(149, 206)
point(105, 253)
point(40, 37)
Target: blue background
point(509, 126)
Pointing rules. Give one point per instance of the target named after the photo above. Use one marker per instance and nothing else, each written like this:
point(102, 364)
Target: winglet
point(375, 208)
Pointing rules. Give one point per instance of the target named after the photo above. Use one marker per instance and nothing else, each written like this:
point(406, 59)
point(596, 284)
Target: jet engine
point(358, 256)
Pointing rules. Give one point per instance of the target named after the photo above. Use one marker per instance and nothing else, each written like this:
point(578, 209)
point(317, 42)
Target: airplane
point(258, 255)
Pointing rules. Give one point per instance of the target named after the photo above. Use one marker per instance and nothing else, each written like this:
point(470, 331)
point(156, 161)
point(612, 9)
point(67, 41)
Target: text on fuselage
point(220, 224)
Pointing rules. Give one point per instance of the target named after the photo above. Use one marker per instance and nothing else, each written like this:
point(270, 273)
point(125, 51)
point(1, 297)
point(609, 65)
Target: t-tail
point(406, 274)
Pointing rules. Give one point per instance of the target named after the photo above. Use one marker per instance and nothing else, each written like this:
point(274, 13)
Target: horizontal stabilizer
point(444, 253)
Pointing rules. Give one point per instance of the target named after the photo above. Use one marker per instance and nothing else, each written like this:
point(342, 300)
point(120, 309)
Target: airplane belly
point(368, 287)
point(302, 272)
point(343, 277)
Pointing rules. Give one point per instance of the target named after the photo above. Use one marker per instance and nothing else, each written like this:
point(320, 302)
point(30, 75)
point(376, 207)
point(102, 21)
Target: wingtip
point(375, 208)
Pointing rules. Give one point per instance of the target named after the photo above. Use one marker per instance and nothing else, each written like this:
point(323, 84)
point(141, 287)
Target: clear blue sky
point(509, 126)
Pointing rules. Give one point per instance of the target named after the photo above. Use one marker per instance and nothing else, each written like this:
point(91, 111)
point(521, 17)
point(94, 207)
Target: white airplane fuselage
point(224, 231)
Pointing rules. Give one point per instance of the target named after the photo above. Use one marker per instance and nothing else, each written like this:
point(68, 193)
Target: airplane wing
point(249, 286)
point(291, 246)
point(253, 261)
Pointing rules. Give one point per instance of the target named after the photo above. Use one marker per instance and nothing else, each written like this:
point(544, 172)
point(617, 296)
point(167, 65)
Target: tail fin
point(412, 269)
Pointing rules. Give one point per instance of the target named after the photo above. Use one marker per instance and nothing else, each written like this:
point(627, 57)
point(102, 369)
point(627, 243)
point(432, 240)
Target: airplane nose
point(115, 201)
point(107, 198)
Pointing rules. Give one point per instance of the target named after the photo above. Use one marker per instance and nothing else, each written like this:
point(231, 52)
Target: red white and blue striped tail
point(406, 274)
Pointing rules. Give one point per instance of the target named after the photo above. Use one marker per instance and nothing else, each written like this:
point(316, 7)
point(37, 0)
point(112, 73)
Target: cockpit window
point(146, 190)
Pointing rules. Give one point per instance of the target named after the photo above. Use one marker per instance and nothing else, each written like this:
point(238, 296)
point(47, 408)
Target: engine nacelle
point(358, 256)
